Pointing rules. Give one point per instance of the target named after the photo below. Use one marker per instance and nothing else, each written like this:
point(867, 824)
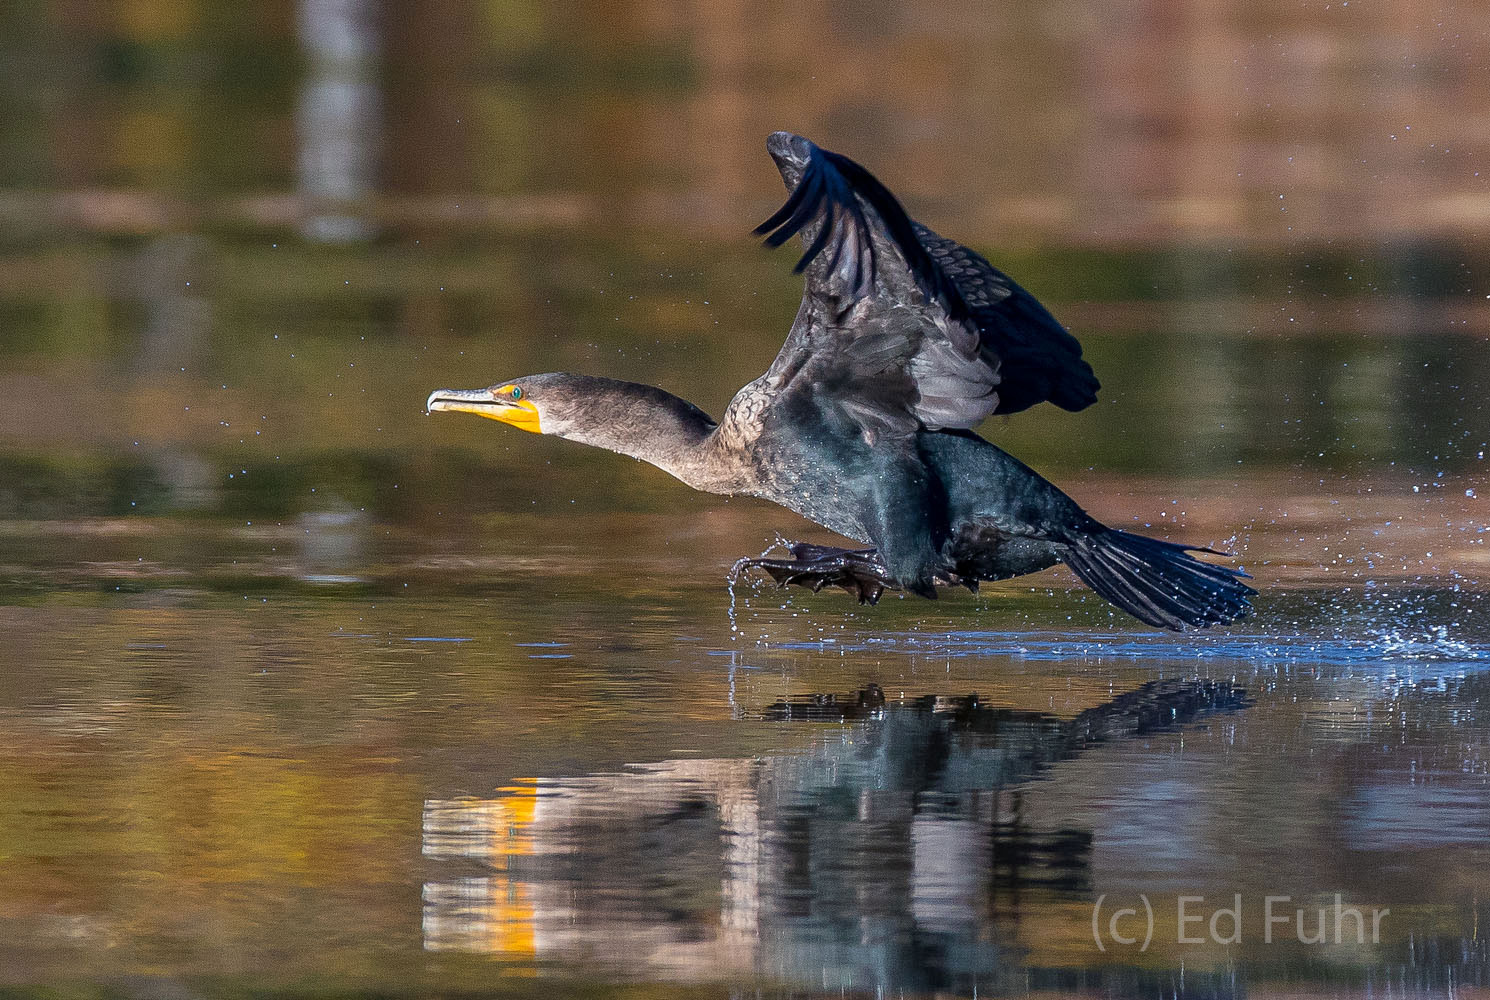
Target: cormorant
point(904, 342)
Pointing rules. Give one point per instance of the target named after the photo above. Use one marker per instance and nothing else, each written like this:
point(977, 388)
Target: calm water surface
point(557, 776)
point(306, 693)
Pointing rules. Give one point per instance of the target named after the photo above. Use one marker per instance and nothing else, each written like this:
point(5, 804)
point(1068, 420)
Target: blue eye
point(517, 393)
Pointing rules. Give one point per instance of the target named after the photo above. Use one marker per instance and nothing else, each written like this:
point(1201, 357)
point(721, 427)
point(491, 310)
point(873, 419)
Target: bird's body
point(904, 341)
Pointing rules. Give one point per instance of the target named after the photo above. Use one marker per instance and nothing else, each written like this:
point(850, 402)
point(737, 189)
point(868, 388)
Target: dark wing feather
point(894, 345)
point(834, 191)
point(976, 329)
point(1041, 360)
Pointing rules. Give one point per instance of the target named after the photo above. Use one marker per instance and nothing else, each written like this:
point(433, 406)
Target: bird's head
point(536, 403)
point(791, 153)
point(619, 416)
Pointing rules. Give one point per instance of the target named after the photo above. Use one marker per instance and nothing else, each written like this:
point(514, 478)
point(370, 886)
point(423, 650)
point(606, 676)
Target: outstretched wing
point(1040, 359)
point(883, 331)
point(907, 327)
point(829, 200)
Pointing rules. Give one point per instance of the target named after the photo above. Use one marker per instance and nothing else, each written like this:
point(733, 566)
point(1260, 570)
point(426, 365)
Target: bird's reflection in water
point(892, 852)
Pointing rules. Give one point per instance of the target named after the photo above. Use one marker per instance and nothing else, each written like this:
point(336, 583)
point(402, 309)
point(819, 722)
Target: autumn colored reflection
point(307, 694)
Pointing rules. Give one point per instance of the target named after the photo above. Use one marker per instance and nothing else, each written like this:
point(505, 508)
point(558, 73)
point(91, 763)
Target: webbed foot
point(861, 572)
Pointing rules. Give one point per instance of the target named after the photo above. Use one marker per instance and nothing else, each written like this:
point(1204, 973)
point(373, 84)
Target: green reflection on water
point(291, 371)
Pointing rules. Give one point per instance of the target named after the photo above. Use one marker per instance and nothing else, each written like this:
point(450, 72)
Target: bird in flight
point(904, 342)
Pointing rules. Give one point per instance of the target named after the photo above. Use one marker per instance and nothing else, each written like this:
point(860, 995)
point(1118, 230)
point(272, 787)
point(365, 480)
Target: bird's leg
point(861, 572)
point(902, 517)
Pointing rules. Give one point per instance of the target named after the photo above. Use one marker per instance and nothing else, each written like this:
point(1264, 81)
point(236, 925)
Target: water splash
point(734, 575)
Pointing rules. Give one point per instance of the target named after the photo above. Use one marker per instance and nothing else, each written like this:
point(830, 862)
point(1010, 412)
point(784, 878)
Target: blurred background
point(242, 243)
point(294, 667)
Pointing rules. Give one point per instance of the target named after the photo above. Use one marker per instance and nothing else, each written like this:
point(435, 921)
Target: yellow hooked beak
point(504, 403)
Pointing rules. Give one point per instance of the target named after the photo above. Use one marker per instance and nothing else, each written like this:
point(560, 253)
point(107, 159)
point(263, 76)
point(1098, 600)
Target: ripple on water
point(1389, 649)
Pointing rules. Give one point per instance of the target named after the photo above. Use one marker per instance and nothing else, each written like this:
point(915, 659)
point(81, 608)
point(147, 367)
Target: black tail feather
point(1160, 583)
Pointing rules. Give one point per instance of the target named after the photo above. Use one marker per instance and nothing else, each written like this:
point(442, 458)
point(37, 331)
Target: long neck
point(650, 424)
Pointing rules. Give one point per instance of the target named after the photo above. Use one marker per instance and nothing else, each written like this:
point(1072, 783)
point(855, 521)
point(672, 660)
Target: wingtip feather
point(834, 188)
